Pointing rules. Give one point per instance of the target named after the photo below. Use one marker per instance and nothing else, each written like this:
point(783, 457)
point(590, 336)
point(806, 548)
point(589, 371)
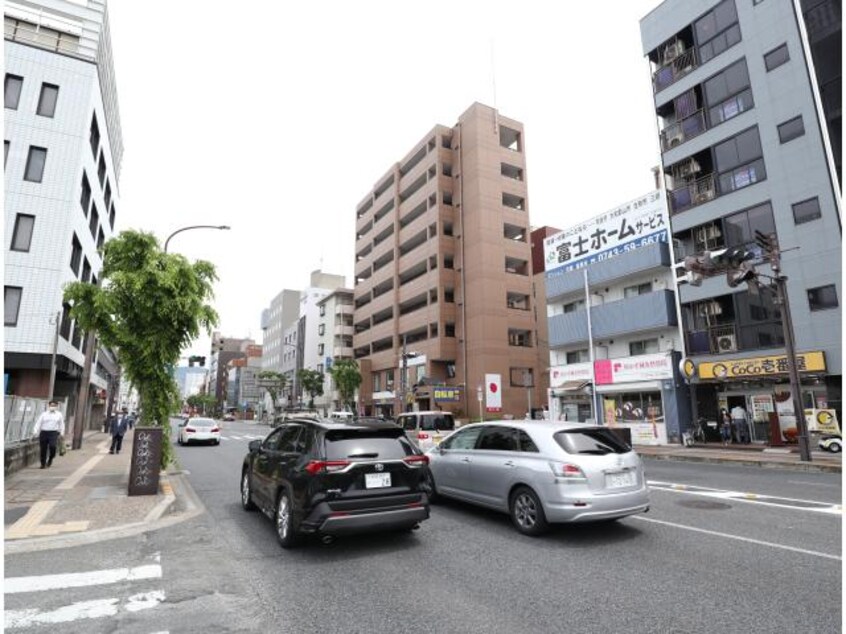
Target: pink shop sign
point(646, 367)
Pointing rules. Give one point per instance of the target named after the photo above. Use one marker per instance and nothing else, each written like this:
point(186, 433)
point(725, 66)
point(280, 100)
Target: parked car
point(197, 429)
point(426, 429)
point(229, 416)
point(333, 478)
point(831, 442)
point(540, 472)
point(287, 415)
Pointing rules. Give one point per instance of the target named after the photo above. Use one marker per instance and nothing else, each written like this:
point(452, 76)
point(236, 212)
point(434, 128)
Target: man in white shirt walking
point(49, 426)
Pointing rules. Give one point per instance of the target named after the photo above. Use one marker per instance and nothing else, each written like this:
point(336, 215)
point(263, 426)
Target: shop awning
point(568, 387)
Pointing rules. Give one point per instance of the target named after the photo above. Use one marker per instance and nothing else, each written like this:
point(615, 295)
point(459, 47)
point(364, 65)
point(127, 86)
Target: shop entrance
point(740, 401)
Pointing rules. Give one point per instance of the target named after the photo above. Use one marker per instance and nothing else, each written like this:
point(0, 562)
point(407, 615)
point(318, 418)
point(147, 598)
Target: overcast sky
point(277, 118)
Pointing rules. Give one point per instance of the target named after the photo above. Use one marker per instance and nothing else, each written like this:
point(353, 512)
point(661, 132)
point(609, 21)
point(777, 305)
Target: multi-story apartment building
point(190, 380)
point(243, 391)
point(744, 150)
point(335, 339)
point(224, 350)
point(443, 279)
point(283, 311)
point(614, 340)
point(62, 156)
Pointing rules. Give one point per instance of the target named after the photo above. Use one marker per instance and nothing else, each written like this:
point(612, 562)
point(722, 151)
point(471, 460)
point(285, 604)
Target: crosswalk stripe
point(94, 609)
point(14, 585)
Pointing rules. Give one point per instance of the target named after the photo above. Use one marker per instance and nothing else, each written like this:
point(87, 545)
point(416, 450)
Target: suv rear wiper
point(363, 455)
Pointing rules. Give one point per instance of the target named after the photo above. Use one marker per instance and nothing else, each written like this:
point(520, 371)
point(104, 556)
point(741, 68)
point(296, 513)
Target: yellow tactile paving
point(36, 514)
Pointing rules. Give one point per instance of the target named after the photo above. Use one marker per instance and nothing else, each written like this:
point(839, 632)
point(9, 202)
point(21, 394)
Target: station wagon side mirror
point(254, 445)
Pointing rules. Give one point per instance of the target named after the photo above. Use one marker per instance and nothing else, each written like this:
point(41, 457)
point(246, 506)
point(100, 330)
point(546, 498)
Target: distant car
point(339, 415)
point(832, 443)
point(426, 429)
point(229, 416)
point(331, 478)
point(196, 429)
point(294, 414)
point(540, 472)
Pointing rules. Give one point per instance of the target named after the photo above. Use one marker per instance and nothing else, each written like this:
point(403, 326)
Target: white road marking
point(825, 508)
point(15, 585)
point(81, 610)
point(738, 538)
point(814, 484)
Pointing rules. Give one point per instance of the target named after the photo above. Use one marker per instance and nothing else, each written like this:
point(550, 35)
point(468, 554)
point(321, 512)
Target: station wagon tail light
point(422, 436)
point(326, 466)
point(416, 461)
point(566, 470)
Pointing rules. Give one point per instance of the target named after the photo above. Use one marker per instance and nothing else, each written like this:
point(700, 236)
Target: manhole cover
point(705, 505)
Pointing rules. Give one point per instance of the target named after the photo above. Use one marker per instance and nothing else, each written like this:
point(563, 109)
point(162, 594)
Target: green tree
point(312, 382)
point(149, 306)
point(274, 382)
point(347, 379)
point(204, 403)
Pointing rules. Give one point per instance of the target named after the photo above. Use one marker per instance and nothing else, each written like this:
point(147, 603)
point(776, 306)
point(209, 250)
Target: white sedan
point(197, 429)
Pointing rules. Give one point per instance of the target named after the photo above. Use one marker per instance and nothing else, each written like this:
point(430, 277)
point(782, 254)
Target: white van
point(345, 416)
point(426, 429)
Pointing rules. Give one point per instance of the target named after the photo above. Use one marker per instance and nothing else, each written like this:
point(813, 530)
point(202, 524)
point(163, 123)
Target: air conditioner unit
point(710, 308)
point(704, 195)
point(672, 51)
point(675, 138)
point(689, 168)
point(726, 343)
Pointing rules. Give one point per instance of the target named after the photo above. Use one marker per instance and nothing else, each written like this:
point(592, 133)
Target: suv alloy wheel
point(246, 496)
point(527, 512)
point(285, 533)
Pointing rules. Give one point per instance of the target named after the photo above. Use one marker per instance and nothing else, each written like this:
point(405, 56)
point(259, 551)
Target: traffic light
point(740, 266)
point(196, 359)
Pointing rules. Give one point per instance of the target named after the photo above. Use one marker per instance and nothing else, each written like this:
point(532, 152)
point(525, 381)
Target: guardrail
point(19, 416)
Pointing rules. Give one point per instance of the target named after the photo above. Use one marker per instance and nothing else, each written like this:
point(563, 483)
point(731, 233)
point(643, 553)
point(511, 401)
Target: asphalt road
point(715, 560)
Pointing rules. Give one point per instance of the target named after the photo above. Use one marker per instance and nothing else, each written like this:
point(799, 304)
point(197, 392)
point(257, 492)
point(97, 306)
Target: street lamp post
point(220, 227)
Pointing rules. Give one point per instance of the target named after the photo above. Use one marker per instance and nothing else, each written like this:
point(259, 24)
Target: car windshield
point(383, 444)
point(201, 422)
point(593, 440)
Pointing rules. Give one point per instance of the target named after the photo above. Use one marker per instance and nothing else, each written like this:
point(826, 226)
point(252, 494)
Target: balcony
point(637, 314)
point(340, 352)
point(695, 192)
point(682, 130)
point(674, 68)
point(715, 340)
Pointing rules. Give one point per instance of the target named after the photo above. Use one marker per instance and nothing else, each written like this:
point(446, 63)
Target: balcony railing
point(674, 70)
point(693, 193)
point(682, 130)
point(715, 340)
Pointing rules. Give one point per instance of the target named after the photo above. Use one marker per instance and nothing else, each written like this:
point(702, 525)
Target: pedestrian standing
point(118, 429)
point(741, 424)
point(725, 426)
point(49, 426)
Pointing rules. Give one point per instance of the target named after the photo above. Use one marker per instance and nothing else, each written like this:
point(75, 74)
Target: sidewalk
point(83, 497)
point(746, 455)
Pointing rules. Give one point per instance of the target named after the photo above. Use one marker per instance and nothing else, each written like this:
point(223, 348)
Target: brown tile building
point(443, 265)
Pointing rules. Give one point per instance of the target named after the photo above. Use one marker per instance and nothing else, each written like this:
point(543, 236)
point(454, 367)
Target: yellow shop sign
point(761, 366)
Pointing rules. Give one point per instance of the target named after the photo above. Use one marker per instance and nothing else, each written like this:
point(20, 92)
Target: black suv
point(332, 478)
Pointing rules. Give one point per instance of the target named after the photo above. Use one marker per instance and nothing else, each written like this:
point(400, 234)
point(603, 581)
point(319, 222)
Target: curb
point(787, 466)
point(152, 521)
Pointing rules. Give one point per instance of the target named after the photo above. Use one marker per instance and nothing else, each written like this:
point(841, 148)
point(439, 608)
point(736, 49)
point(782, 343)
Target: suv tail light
point(422, 436)
point(215, 430)
point(416, 461)
point(190, 430)
point(566, 470)
point(326, 466)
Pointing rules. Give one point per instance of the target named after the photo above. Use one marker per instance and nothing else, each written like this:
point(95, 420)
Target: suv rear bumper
point(323, 520)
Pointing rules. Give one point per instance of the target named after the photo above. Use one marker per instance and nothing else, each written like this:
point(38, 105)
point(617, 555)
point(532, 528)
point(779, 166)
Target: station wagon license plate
point(377, 480)
point(621, 479)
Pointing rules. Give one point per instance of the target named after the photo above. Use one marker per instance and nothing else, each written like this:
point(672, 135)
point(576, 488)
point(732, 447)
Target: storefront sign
point(648, 433)
point(687, 367)
point(762, 405)
point(638, 223)
point(561, 374)
point(822, 420)
point(646, 367)
point(493, 393)
point(446, 394)
point(761, 366)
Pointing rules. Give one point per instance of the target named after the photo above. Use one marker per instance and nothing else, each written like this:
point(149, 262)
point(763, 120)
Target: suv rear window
point(385, 444)
point(591, 441)
point(437, 422)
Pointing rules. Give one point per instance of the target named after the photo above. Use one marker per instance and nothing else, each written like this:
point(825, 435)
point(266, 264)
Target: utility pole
point(52, 388)
point(404, 375)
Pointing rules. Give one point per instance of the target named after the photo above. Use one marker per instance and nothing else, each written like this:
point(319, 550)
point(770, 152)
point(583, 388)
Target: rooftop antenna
point(493, 85)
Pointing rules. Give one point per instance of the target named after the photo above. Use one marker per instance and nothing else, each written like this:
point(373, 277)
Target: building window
point(321, 329)
point(76, 255)
point(320, 368)
point(637, 289)
point(377, 382)
point(12, 304)
point(521, 377)
point(101, 238)
point(101, 169)
point(47, 100)
point(739, 161)
point(577, 356)
point(647, 346)
point(806, 211)
point(572, 307)
point(94, 221)
point(822, 297)
point(449, 330)
point(322, 311)
point(776, 57)
point(22, 234)
point(739, 229)
point(727, 94)
point(65, 327)
point(717, 30)
point(108, 195)
point(5, 153)
point(519, 338)
point(449, 296)
point(320, 348)
point(12, 91)
point(35, 164)
point(86, 271)
point(85, 198)
point(448, 262)
point(791, 129)
point(94, 136)
point(112, 217)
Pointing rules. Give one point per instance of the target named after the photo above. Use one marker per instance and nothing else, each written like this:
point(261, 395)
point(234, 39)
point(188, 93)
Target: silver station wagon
point(540, 472)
